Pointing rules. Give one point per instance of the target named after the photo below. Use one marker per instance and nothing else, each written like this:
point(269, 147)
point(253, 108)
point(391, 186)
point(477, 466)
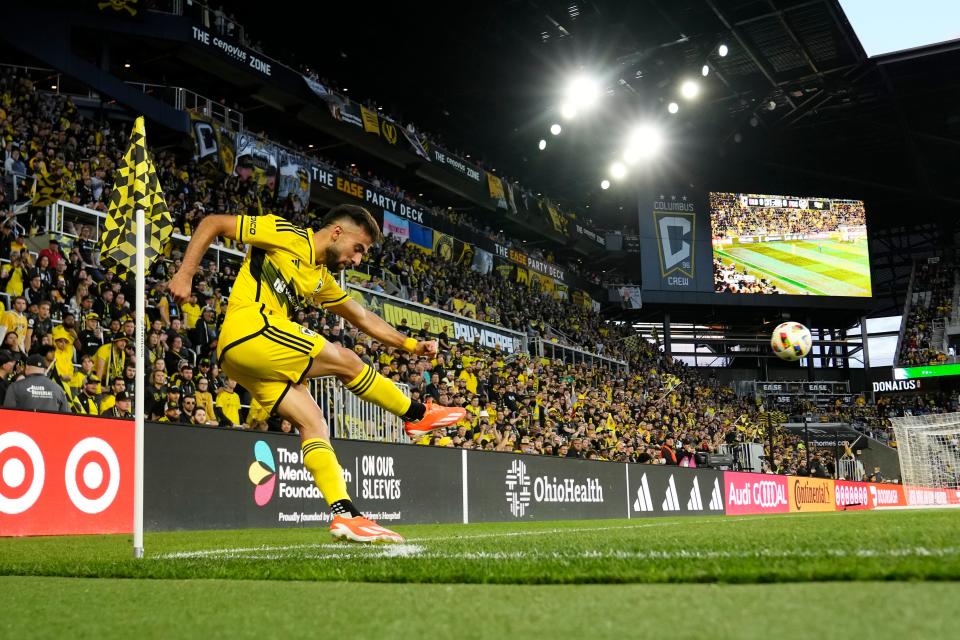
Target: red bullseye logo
point(22, 472)
point(92, 475)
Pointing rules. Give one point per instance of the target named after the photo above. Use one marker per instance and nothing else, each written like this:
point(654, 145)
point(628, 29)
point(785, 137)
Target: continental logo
point(811, 494)
point(389, 131)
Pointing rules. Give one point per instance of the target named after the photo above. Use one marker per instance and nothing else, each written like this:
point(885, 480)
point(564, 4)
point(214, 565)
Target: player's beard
point(332, 260)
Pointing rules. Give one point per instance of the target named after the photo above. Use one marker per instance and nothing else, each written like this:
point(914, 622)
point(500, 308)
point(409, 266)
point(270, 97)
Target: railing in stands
point(353, 418)
point(66, 220)
point(186, 100)
point(574, 355)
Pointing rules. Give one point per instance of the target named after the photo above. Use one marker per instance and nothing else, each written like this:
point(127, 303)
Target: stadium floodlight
point(673, 107)
point(604, 184)
point(723, 50)
point(542, 145)
point(618, 170)
point(705, 70)
point(582, 92)
point(568, 111)
point(644, 141)
point(555, 129)
point(689, 89)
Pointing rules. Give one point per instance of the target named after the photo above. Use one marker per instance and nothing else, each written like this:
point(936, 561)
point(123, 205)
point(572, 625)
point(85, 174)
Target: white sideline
point(417, 551)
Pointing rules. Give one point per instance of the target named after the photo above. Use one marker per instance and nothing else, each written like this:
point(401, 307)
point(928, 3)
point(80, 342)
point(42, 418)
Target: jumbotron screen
point(789, 245)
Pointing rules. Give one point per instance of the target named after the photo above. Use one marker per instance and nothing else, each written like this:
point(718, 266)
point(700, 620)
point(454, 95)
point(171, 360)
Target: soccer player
point(261, 347)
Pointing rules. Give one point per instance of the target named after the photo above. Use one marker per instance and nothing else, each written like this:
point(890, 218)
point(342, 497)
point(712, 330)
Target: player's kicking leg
point(318, 457)
point(363, 381)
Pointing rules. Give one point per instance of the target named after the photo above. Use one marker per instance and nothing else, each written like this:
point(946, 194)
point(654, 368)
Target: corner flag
point(138, 226)
point(135, 186)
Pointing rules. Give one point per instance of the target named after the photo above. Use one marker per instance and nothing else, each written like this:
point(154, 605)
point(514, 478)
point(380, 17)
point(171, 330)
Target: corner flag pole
point(141, 263)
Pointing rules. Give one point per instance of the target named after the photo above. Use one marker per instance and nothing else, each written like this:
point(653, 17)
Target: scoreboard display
point(772, 244)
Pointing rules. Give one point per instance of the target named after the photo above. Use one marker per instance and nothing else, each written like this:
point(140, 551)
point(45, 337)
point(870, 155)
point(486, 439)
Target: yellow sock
point(321, 461)
point(373, 387)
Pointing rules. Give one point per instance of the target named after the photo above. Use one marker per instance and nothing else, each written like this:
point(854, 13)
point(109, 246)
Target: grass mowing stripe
point(64, 607)
point(855, 274)
point(824, 275)
point(780, 270)
point(856, 268)
point(862, 545)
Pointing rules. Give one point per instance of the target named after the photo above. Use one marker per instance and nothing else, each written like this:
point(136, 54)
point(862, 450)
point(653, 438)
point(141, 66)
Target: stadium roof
point(486, 77)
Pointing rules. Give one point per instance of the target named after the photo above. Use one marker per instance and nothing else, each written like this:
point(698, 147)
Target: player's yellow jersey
point(280, 270)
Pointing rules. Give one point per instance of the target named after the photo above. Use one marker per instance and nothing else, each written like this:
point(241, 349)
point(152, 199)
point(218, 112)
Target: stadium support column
point(865, 350)
point(810, 356)
point(667, 350)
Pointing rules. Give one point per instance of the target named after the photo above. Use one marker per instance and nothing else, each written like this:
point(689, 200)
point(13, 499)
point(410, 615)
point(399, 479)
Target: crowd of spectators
point(731, 217)
point(728, 279)
point(77, 318)
point(931, 305)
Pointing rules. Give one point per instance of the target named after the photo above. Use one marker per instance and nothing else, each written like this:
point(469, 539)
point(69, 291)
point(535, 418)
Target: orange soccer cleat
point(436, 417)
point(360, 529)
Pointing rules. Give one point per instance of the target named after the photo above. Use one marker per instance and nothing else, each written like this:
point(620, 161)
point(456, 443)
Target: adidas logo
point(643, 501)
point(671, 502)
point(716, 498)
point(695, 503)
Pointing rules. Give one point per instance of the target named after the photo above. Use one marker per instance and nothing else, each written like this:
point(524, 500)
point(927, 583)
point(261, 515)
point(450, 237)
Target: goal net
point(929, 448)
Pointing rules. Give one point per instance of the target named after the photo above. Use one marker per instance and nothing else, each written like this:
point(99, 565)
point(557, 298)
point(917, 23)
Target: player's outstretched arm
point(209, 228)
point(375, 327)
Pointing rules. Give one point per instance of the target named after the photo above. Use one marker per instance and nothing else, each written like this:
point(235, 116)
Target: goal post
point(929, 449)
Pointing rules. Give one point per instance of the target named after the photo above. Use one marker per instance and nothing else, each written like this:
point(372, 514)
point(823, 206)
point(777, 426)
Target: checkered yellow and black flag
point(48, 187)
point(135, 186)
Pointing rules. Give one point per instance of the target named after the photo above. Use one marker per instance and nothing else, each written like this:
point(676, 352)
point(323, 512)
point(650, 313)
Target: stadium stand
point(62, 306)
point(928, 309)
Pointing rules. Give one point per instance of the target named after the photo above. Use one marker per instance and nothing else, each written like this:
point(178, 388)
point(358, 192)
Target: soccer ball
point(791, 341)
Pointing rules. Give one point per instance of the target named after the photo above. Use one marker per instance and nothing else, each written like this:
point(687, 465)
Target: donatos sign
point(810, 494)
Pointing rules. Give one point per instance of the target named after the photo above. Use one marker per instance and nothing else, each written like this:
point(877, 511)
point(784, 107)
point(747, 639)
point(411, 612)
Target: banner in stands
point(810, 494)
point(482, 261)
point(629, 296)
point(233, 51)
point(458, 165)
point(294, 178)
point(882, 380)
point(65, 476)
point(519, 257)
point(553, 216)
point(675, 244)
point(519, 487)
point(495, 187)
point(214, 146)
point(396, 227)
point(665, 491)
point(749, 493)
point(451, 249)
point(394, 310)
point(238, 479)
point(577, 230)
point(374, 198)
point(257, 160)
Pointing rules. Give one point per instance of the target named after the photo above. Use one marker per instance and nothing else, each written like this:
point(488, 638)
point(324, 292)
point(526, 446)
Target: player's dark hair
point(358, 215)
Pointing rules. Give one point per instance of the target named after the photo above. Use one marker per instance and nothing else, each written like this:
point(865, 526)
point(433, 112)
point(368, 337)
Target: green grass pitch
point(825, 267)
point(849, 574)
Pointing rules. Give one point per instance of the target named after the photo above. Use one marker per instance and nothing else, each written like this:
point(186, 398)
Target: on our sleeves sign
point(65, 475)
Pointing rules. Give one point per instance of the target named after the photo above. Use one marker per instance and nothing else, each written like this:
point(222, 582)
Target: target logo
point(64, 474)
point(22, 472)
point(92, 475)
